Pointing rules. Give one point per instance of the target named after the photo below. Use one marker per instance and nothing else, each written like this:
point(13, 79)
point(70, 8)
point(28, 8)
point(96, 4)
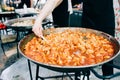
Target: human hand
point(37, 28)
point(78, 6)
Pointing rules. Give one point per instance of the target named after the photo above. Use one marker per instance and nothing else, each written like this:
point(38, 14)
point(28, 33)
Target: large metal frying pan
point(23, 42)
point(9, 23)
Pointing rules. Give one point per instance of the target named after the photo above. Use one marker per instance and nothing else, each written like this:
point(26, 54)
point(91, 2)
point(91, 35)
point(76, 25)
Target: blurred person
point(118, 18)
point(28, 3)
point(13, 3)
point(118, 22)
point(97, 14)
point(77, 4)
point(61, 13)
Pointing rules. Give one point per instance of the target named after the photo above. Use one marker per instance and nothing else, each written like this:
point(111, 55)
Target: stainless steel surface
point(9, 23)
point(23, 42)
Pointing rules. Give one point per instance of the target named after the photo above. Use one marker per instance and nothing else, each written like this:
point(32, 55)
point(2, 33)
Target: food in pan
point(70, 48)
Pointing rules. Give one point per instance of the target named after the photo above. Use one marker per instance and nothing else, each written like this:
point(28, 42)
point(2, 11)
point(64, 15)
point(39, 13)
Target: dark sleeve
point(76, 2)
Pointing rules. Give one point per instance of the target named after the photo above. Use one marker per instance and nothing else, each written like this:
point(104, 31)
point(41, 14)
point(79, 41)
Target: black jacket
point(61, 14)
point(76, 2)
point(99, 14)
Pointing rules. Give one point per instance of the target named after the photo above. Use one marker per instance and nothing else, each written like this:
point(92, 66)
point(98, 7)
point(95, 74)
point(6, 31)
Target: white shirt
point(70, 6)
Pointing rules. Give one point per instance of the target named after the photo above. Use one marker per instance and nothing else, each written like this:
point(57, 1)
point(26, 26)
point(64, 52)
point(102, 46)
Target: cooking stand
point(106, 77)
point(77, 74)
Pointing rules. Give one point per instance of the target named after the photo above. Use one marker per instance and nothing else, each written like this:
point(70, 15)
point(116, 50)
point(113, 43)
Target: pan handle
point(106, 77)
